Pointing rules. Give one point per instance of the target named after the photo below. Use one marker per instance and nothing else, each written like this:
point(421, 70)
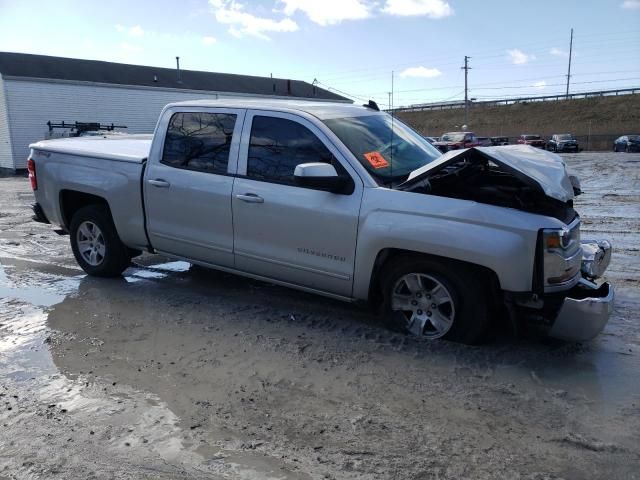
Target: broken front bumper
point(586, 308)
point(584, 313)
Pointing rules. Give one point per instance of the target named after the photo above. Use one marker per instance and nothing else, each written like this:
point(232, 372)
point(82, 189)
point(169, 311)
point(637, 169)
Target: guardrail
point(509, 101)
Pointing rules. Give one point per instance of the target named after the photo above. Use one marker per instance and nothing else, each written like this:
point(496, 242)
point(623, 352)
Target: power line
point(540, 48)
point(506, 84)
point(556, 84)
point(341, 91)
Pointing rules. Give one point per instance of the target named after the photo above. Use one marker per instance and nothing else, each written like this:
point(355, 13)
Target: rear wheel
point(95, 242)
point(436, 299)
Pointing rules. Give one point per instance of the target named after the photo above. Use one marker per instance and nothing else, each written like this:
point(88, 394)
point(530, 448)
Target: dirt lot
point(172, 372)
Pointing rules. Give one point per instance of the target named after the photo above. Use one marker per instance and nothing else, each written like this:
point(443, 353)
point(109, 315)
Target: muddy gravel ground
point(176, 372)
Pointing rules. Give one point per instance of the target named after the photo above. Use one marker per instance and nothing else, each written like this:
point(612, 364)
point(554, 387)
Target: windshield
point(387, 157)
point(532, 137)
point(566, 136)
point(634, 138)
point(452, 137)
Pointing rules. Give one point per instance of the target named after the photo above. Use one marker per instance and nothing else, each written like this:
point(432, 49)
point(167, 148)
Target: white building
point(36, 89)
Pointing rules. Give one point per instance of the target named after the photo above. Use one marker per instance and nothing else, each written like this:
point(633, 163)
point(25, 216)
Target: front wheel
point(435, 299)
point(95, 242)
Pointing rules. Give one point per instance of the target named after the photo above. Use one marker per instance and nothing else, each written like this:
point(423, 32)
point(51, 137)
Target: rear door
point(290, 233)
point(188, 184)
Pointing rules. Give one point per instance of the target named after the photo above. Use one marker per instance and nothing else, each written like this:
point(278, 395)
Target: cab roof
point(321, 110)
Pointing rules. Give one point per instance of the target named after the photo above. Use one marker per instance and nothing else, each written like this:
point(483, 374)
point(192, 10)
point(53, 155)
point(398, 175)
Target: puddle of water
point(147, 421)
point(33, 295)
point(23, 352)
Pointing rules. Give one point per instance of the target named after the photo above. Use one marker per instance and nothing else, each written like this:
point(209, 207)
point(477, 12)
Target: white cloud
point(120, 28)
point(631, 4)
point(429, 8)
point(540, 85)
point(518, 57)
point(241, 23)
point(208, 40)
point(558, 52)
point(328, 12)
point(136, 31)
point(420, 72)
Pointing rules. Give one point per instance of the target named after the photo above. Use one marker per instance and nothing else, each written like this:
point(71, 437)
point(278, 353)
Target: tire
point(615, 148)
point(96, 244)
point(462, 313)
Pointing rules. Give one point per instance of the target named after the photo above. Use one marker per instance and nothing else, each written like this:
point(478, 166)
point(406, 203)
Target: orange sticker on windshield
point(376, 160)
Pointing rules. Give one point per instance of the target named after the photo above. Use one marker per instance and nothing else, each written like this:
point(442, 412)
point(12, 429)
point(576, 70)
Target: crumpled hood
point(539, 167)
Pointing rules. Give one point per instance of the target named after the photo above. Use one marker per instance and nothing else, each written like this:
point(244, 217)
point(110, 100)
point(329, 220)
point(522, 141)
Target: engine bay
point(481, 180)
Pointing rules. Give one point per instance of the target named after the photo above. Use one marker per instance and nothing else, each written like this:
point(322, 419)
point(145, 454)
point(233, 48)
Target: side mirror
point(322, 176)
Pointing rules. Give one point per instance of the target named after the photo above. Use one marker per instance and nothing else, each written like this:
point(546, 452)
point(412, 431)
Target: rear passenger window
point(278, 145)
point(199, 141)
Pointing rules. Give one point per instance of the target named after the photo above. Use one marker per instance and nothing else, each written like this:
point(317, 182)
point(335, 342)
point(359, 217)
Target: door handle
point(250, 198)
point(158, 182)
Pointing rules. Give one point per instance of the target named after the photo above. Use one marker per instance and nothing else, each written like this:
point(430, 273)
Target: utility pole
point(569, 70)
point(392, 92)
point(466, 69)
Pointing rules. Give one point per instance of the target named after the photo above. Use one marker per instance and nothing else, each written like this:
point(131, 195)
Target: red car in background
point(533, 140)
point(456, 140)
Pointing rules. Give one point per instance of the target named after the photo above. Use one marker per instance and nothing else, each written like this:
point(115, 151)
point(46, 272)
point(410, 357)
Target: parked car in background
point(483, 142)
point(563, 142)
point(627, 143)
point(533, 140)
point(455, 141)
point(496, 141)
point(432, 140)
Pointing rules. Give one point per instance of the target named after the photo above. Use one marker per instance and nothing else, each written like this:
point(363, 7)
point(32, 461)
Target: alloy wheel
point(426, 304)
point(91, 243)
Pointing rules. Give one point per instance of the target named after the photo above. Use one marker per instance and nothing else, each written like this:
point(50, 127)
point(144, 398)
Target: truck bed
point(124, 148)
point(109, 167)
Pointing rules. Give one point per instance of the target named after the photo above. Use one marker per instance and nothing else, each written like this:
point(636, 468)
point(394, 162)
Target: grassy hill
point(605, 118)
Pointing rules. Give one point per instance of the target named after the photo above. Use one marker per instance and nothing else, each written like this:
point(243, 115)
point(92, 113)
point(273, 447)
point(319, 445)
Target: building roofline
point(43, 67)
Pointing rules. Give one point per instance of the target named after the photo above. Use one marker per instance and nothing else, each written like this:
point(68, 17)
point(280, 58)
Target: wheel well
point(387, 255)
point(71, 201)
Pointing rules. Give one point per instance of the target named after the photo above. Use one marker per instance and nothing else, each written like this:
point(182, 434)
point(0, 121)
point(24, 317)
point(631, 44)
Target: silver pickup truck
point(340, 200)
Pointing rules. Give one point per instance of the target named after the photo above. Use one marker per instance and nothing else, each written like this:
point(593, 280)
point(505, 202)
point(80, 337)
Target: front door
point(303, 236)
point(188, 185)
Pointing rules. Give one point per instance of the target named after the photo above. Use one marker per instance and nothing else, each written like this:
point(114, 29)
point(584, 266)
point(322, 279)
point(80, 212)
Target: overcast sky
point(516, 47)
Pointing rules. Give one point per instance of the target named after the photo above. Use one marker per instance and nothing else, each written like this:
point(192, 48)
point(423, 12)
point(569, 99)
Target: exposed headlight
point(562, 254)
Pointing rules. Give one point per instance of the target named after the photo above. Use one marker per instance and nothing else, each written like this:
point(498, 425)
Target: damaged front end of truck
point(568, 299)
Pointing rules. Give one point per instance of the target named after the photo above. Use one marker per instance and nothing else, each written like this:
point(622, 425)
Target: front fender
point(500, 239)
